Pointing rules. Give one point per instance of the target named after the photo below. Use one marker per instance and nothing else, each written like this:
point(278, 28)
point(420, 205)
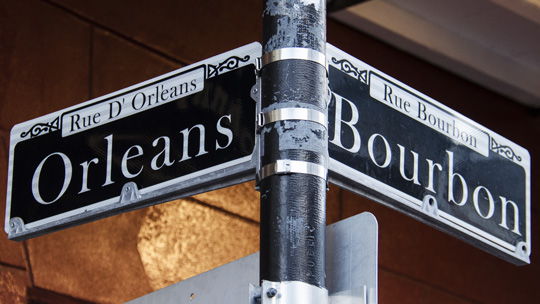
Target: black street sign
point(182, 133)
point(399, 147)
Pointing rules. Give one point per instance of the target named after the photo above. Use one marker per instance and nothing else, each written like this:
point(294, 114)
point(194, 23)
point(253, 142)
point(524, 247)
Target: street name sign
point(182, 133)
point(193, 130)
point(391, 143)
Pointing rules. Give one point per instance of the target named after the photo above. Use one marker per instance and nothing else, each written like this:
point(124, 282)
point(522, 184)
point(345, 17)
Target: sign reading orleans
point(186, 132)
point(402, 148)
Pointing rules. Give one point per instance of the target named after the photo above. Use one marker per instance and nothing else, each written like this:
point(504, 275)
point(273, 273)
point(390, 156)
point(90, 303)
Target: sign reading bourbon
point(189, 131)
point(406, 150)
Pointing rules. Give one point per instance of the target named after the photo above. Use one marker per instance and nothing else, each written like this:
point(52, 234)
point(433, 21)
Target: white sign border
point(521, 252)
point(236, 168)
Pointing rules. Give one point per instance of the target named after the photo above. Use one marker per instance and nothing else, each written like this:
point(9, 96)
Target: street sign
point(182, 133)
point(351, 272)
point(400, 147)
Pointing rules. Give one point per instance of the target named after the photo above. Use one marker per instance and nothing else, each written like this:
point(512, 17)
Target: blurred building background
point(58, 53)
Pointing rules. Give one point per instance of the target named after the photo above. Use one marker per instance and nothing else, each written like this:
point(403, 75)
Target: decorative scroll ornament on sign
point(230, 64)
point(349, 68)
point(42, 128)
point(504, 150)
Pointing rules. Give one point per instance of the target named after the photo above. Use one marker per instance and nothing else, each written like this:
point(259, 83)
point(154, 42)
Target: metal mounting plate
point(351, 272)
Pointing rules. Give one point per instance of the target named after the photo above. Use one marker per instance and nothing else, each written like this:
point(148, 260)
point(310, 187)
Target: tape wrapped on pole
point(293, 77)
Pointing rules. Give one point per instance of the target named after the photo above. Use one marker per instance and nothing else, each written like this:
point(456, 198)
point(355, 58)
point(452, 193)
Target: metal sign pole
point(293, 152)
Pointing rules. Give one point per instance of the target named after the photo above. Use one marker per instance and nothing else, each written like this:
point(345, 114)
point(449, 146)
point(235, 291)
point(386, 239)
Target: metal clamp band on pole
point(287, 166)
point(292, 292)
point(292, 114)
point(294, 53)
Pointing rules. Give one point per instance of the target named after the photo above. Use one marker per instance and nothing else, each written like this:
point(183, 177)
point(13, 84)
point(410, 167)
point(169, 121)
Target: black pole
point(293, 212)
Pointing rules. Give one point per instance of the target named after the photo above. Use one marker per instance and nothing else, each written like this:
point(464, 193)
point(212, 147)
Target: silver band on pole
point(287, 166)
point(293, 53)
point(292, 114)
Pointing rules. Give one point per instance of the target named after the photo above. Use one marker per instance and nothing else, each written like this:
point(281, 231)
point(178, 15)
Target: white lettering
point(504, 206)
point(338, 121)
point(127, 157)
point(451, 175)
point(414, 178)
point(166, 152)
point(225, 131)
point(67, 178)
point(491, 209)
point(431, 174)
point(388, 152)
point(185, 132)
point(108, 174)
point(85, 167)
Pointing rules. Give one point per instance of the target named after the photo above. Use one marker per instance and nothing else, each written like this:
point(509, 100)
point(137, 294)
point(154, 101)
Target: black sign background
point(503, 177)
point(225, 94)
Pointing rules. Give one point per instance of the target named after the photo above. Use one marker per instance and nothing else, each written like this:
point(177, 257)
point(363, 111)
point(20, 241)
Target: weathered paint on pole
point(293, 215)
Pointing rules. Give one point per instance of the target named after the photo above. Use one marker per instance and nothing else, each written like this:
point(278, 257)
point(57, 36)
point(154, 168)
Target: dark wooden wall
point(57, 53)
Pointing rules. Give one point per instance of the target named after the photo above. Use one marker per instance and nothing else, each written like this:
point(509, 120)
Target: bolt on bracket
point(292, 292)
point(16, 225)
point(130, 193)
